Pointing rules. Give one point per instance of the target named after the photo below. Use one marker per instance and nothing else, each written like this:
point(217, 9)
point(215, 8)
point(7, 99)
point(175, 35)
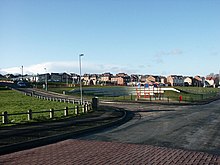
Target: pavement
point(25, 136)
point(82, 152)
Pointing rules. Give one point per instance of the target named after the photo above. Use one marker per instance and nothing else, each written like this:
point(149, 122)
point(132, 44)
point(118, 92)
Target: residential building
point(120, 79)
point(188, 81)
point(75, 78)
point(43, 77)
point(93, 79)
point(175, 80)
point(66, 78)
point(134, 80)
point(85, 79)
point(210, 81)
point(55, 77)
point(105, 78)
point(197, 81)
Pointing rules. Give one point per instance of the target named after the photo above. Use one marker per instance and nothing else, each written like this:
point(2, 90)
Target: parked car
point(21, 84)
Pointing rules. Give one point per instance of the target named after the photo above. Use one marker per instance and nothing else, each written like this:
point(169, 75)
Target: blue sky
point(159, 37)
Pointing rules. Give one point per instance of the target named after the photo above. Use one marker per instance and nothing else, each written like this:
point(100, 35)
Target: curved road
point(186, 127)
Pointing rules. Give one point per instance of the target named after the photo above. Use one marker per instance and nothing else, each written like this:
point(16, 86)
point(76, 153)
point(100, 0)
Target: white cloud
point(173, 52)
point(159, 57)
point(69, 67)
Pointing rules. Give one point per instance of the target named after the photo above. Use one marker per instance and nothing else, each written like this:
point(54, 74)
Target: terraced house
point(175, 80)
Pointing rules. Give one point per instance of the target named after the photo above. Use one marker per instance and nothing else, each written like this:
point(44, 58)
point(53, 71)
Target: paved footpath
point(93, 152)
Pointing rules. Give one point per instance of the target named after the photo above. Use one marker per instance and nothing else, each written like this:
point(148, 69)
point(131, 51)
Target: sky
point(158, 37)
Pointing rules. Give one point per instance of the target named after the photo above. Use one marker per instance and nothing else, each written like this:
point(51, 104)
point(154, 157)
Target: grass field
point(192, 94)
point(15, 102)
point(189, 94)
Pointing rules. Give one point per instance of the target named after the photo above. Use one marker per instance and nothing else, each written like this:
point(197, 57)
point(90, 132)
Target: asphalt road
point(185, 127)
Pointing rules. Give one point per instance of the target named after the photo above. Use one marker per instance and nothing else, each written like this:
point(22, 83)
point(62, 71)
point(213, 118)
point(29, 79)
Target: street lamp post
point(22, 73)
point(45, 78)
point(80, 79)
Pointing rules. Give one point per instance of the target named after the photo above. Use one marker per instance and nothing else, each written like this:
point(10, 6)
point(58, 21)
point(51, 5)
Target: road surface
point(194, 127)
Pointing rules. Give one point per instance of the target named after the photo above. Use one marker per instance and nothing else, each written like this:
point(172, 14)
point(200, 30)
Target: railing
point(58, 99)
point(30, 114)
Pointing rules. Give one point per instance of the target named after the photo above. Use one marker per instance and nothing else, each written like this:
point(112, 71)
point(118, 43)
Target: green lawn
point(15, 102)
point(191, 94)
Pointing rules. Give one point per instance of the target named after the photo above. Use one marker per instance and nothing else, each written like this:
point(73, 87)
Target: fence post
point(83, 108)
point(66, 111)
point(86, 107)
point(29, 114)
point(77, 109)
point(51, 113)
point(5, 117)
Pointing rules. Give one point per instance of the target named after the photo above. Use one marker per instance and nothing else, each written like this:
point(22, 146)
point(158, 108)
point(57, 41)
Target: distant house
point(85, 79)
point(43, 77)
point(105, 78)
point(75, 78)
point(66, 78)
point(210, 81)
point(93, 79)
point(163, 80)
point(134, 80)
point(188, 81)
point(151, 79)
point(143, 79)
point(120, 79)
point(197, 81)
point(56, 77)
point(175, 80)
point(2, 77)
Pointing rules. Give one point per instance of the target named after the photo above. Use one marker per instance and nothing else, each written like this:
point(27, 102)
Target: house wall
point(188, 80)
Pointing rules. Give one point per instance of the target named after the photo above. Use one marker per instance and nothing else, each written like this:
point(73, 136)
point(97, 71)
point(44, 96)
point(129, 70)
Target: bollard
point(51, 113)
point(66, 112)
point(95, 103)
point(5, 117)
point(83, 108)
point(29, 114)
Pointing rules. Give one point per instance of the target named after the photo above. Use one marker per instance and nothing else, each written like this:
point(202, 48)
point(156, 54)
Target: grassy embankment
point(15, 102)
point(192, 94)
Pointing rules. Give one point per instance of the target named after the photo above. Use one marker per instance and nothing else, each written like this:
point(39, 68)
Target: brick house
point(105, 78)
point(120, 79)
